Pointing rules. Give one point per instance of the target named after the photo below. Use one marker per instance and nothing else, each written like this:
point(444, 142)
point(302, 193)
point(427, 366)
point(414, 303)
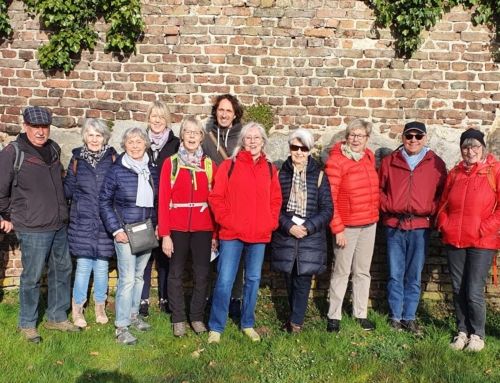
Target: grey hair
point(356, 124)
point(304, 136)
point(192, 121)
point(99, 126)
point(468, 142)
point(135, 132)
point(160, 105)
point(241, 137)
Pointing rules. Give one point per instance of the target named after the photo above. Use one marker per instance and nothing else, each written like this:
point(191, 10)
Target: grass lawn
point(353, 355)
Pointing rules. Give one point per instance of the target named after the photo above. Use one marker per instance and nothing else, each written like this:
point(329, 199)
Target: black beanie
point(472, 133)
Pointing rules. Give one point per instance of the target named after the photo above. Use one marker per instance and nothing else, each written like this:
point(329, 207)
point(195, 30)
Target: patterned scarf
point(347, 151)
point(298, 194)
point(158, 141)
point(91, 157)
point(188, 159)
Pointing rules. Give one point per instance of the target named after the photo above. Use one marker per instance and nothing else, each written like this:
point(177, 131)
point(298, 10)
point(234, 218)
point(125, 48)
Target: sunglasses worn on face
point(418, 136)
point(295, 148)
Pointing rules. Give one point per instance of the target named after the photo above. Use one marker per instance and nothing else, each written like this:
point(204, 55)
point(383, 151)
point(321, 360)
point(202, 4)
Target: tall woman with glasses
point(246, 202)
point(186, 223)
point(299, 243)
point(355, 193)
point(469, 220)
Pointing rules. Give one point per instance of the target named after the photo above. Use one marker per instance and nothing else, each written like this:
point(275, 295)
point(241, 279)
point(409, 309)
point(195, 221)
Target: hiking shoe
point(164, 307)
point(100, 312)
point(411, 326)
point(395, 325)
point(198, 327)
point(179, 328)
point(137, 322)
point(475, 344)
point(333, 325)
point(213, 337)
point(30, 334)
point(77, 313)
point(144, 308)
point(65, 326)
point(293, 328)
point(235, 308)
point(365, 324)
point(124, 336)
point(460, 341)
point(250, 332)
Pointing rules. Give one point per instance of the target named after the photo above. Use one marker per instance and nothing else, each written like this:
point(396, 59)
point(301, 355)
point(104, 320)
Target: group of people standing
point(214, 191)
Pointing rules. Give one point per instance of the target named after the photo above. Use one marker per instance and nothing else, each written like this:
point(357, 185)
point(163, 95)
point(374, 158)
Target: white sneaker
point(460, 341)
point(475, 344)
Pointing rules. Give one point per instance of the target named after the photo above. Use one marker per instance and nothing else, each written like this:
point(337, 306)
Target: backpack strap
point(221, 149)
point(209, 170)
point(174, 171)
point(268, 163)
point(320, 178)
point(17, 162)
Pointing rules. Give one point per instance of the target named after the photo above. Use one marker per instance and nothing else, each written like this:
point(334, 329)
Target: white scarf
point(145, 196)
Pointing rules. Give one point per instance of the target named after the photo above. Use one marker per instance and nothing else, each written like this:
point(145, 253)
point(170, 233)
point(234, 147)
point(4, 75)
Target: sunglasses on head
point(418, 136)
point(295, 148)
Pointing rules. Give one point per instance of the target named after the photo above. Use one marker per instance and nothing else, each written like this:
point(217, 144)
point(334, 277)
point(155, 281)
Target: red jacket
point(405, 192)
point(184, 218)
point(247, 204)
point(469, 212)
point(354, 186)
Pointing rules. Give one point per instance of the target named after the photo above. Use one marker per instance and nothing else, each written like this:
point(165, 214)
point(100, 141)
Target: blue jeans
point(36, 250)
point(84, 267)
point(406, 252)
point(469, 269)
point(130, 281)
point(227, 267)
point(298, 288)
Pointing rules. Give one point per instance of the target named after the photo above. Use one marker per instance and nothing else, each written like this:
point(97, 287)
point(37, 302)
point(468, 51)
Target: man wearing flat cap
point(32, 203)
point(412, 179)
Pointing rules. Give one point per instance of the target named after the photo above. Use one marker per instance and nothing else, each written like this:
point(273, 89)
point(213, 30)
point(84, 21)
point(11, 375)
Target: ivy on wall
point(71, 26)
point(407, 18)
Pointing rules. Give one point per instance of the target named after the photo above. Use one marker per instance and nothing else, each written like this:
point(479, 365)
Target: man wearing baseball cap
point(412, 179)
point(32, 203)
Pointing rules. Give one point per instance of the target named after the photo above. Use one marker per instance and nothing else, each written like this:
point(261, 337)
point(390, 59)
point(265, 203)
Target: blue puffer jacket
point(87, 236)
point(310, 251)
point(120, 189)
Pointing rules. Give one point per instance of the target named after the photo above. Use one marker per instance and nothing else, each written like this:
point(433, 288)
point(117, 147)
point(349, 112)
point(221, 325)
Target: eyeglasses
point(195, 133)
point(295, 148)
point(418, 136)
point(358, 136)
point(474, 148)
point(250, 139)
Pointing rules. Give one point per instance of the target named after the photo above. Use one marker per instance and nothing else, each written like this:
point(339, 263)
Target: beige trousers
point(356, 257)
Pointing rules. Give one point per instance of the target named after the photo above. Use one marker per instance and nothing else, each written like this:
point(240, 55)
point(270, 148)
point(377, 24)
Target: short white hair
point(304, 136)
point(99, 126)
point(135, 132)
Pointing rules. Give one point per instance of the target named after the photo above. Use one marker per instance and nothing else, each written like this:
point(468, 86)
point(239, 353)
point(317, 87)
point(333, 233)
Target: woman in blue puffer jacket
point(127, 195)
point(299, 243)
point(88, 240)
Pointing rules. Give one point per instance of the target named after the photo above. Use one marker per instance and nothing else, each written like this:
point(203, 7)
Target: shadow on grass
point(104, 377)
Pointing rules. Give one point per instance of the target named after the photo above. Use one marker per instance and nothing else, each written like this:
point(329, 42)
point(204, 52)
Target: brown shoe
point(198, 327)
point(284, 326)
point(179, 328)
point(293, 328)
point(100, 312)
point(30, 334)
point(65, 326)
point(77, 313)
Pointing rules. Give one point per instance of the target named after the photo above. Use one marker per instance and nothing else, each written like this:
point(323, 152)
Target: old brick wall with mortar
point(319, 63)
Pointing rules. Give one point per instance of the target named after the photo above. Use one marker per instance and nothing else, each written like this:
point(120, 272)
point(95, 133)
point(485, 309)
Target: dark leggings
point(162, 262)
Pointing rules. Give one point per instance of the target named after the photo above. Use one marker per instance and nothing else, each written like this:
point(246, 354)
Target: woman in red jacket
point(469, 218)
point(355, 193)
point(246, 202)
point(185, 223)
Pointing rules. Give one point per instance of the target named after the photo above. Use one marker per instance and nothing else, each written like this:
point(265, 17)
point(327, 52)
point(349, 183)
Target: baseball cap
point(415, 125)
point(37, 115)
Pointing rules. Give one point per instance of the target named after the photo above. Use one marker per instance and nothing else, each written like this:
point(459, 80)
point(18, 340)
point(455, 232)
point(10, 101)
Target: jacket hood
point(233, 132)
point(76, 152)
point(490, 160)
point(246, 156)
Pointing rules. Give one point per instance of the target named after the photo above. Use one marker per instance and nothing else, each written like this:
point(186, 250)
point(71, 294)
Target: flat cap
point(37, 115)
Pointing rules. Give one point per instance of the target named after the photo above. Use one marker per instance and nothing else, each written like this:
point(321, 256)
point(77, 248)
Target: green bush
point(260, 113)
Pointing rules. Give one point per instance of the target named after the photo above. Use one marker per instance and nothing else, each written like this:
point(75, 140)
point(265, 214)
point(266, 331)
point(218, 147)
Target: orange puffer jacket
point(469, 214)
point(355, 189)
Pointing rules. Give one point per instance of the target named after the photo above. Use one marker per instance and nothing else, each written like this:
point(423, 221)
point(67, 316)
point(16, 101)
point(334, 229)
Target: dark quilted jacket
point(310, 251)
point(86, 233)
point(120, 188)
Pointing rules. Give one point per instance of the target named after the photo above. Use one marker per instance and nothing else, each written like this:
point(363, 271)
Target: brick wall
point(319, 63)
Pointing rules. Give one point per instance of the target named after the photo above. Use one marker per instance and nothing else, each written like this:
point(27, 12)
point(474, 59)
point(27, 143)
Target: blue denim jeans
point(406, 252)
point(469, 269)
point(84, 267)
point(227, 267)
point(130, 281)
point(298, 288)
point(36, 250)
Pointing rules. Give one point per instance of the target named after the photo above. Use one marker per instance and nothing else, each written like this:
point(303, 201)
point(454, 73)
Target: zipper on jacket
point(193, 174)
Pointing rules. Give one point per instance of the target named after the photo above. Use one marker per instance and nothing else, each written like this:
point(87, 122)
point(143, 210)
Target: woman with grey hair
point(355, 193)
point(299, 243)
point(469, 219)
point(88, 240)
point(245, 200)
point(128, 195)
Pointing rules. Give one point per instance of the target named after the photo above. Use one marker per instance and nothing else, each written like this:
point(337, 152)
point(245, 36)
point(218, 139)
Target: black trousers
point(200, 243)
